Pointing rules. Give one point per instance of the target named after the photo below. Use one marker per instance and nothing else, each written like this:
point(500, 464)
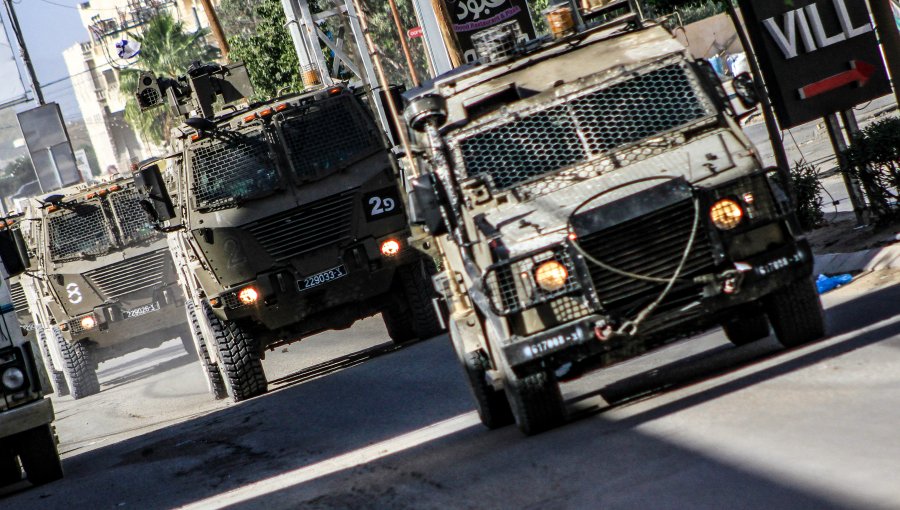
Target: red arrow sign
point(859, 73)
point(414, 32)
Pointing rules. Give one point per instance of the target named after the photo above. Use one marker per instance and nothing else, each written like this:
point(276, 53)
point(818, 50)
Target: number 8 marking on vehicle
point(75, 296)
point(381, 205)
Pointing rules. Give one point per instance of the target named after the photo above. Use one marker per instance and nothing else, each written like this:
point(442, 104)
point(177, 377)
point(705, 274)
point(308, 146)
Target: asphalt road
point(353, 423)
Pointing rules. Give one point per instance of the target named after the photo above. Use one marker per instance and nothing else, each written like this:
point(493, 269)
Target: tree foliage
point(167, 49)
point(268, 51)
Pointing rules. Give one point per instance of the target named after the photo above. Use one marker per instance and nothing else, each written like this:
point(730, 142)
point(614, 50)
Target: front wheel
point(214, 382)
point(536, 402)
point(40, 458)
point(493, 408)
point(241, 364)
point(10, 472)
point(57, 378)
point(78, 368)
point(796, 313)
point(410, 312)
point(747, 327)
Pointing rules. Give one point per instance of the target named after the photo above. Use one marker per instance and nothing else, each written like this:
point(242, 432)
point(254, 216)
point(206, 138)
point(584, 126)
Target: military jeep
point(594, 198)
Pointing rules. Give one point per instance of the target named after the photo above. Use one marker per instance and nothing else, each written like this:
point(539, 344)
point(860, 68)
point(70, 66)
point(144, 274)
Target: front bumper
point(25, 417)
point(131, 318)
point(594, 339)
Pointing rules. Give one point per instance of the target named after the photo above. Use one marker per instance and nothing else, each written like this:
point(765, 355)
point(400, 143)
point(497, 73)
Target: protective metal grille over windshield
point(328, 136)
point(584, 127)
point(81, 232)
point(133, 220)
point(232, 167)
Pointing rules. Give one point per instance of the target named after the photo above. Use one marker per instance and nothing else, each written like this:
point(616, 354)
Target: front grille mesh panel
point(232, 167)
point(511, 287)
point(133, 221)
point(76, 234)
point(17, 294)
point(583, 127)
point(651, 245)
point(326, 137)
point(307, 228)
point(133, 275)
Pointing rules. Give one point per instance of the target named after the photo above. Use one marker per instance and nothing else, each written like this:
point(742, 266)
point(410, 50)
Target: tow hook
point(603, 331)
point(726, 282)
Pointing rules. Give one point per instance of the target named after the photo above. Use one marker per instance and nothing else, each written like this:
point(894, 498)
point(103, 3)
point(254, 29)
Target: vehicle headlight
point(551, 275)
point(88, 322)
point(726, 214)
point(13, 378)
point(248, 295)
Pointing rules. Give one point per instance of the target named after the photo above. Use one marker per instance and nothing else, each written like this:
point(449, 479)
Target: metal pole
point(434, 42)
point(889, 36)
point(839, 143)
point(215, 26)
point(371, 77)
point(17, 30)
point(404, 45)
point(291, 13)
point(312, 39)
point(781, 160)
point(446, 26)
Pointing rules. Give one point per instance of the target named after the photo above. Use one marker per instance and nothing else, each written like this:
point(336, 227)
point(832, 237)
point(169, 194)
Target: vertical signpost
point(818, 57)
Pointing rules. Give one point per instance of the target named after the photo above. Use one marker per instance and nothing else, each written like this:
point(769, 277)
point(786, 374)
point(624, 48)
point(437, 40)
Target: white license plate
point(324, 277)
point(141, 310)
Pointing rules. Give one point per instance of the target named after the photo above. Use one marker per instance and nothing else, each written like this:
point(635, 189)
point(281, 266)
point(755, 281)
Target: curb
point(886, 257)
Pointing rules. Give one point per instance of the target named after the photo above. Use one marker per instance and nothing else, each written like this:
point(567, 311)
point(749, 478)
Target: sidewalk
point(886, 257)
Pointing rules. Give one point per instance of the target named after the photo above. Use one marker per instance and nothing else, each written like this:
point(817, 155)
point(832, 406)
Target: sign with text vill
point(817, 56)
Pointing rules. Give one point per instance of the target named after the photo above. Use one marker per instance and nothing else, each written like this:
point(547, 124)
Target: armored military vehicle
point(594, 199)
point(285, 219)
point(101, 279)
point(27, 437)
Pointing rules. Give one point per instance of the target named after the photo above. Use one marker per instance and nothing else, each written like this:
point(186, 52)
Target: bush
point(807, 195)
point(874, 157)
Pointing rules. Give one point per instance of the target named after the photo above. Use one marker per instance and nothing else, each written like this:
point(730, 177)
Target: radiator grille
point(327, 136)
point(133, 221)
point(232, 167)
point(511, 286)
point(17, 294)
point(306, 228)
point(583, 127)
point(650, 245)
point(75, 234)
point(133, 275)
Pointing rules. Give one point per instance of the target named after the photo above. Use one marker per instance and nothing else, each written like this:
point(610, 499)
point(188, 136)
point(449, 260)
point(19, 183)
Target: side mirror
point(424, 207)
point(13, 251)
point(157, 203)
point(745, 89)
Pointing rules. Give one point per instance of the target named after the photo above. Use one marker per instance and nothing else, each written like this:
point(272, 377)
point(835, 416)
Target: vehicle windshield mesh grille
point(230, 168)
point(583, 127)
point(328, 136)
point(133, 221)
point(76, 234)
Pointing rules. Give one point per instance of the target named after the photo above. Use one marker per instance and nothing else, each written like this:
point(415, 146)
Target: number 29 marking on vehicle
point(382, 203)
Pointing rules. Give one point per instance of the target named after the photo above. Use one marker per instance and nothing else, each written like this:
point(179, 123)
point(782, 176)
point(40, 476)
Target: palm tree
point(167, 49)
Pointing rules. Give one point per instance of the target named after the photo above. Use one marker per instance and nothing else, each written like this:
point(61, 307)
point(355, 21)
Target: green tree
point(268, 52)
point(167, 49)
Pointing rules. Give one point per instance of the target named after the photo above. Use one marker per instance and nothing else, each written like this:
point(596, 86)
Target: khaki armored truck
point(101, 281)
point(285, 219)
point(27, 437)
point(594, 199)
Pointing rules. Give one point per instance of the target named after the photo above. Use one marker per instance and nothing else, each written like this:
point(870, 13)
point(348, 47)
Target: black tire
point(410, 313)
point(536, 402)
point(796, 313)
point(78, 369)
point(214, 382)
point(242, 366)
point(57, 378)
point(40, 458)
point(493, 408)
point(187, 341)
point(745, 329)
point(10, 472)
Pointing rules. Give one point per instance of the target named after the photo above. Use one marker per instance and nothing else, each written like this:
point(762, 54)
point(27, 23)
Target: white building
point(93, 67)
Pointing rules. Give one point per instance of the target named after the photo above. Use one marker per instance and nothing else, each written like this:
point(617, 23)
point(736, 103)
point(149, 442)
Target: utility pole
point(886, 28)
point(446, 26)
point(401, 33)
point(214, 26)
point(14, 21)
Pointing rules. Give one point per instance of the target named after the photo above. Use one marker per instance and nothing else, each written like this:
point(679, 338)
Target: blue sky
point(49, 27)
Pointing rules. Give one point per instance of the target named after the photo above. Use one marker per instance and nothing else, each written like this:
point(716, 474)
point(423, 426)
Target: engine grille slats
point(135, 274)
point(17, 293)
point(307, 228)
point(651, 245)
